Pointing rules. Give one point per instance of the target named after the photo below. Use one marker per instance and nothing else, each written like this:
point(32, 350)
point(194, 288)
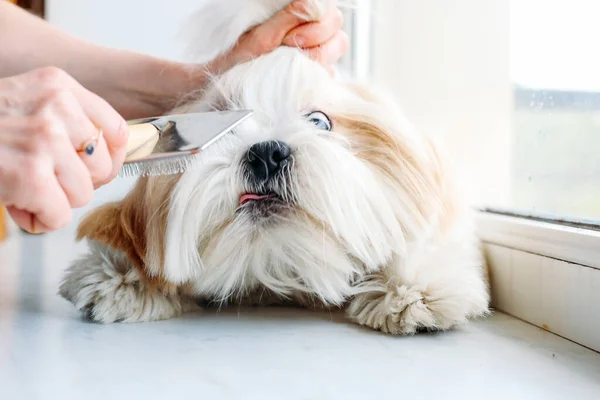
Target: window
point(513, 86)
point(556, 133)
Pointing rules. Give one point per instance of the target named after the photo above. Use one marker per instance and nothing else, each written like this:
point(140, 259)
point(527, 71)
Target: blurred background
point(513, 87)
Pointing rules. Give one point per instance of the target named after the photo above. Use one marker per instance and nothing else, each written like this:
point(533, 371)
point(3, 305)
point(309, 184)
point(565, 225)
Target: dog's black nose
point(267, 158)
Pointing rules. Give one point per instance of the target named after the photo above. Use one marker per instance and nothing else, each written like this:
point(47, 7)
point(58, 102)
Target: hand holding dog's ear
point(297, 25)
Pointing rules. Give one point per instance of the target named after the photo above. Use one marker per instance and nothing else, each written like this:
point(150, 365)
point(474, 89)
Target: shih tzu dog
point(325, 197)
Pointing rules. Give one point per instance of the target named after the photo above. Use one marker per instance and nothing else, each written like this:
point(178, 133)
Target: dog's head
point(321, 186)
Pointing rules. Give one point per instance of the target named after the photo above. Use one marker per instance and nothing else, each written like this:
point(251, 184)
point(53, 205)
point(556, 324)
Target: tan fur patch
point(410, 161)
point(136, 225)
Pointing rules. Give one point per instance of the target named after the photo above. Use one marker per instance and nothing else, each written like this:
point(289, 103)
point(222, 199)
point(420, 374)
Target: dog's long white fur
point(380, 240)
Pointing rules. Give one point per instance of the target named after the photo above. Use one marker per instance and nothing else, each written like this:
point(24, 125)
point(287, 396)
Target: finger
point(331, 51)
point(266, 37)
point(27, 221)
point(315, 33)
point(102, 115)
point(112, 144)
point(101, 157)
point(81, 153)
point(73, 177)
point(40, 145)
point(114, 128)
point(52, 209)
point(22, 218)
point(30, 222)
point(47, 207)
point(118, 158)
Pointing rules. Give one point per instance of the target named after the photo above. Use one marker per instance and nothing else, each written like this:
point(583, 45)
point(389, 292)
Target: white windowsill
point(576, 245)
point(545, 274)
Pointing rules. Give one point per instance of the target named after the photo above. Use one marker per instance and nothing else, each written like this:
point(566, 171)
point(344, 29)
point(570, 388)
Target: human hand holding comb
point(58, 142)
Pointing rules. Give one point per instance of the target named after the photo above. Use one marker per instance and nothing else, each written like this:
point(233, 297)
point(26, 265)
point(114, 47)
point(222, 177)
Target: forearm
point(135, 85)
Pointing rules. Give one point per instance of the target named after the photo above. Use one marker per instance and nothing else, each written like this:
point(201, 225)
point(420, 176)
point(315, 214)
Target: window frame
point(358, 25)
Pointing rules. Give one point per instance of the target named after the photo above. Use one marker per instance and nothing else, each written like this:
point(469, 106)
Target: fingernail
point(36, 228)
point(33, 230)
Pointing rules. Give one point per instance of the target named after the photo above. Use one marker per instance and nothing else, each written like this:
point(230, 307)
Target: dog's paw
point(105, 293)
point(402, 310)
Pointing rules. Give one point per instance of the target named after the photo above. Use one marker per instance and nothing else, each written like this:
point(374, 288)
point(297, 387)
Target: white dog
point(326, 197)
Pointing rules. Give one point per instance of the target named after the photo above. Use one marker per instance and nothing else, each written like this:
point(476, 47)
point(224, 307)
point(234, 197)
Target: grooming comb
point(167, 145)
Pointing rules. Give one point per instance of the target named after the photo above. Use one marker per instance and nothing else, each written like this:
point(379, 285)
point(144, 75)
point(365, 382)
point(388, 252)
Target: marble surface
point(48, 352)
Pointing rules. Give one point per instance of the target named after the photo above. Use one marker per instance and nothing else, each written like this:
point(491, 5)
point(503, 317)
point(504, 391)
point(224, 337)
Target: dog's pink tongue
point(251, 196)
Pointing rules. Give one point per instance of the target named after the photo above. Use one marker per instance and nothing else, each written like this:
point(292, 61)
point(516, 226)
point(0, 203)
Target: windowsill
point(46, 350)
point(559, 241)
point(267, 353)
point(545, 274)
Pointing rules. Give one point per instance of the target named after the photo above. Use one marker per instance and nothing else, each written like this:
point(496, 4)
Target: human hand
point(323, 41)
point(46, 121)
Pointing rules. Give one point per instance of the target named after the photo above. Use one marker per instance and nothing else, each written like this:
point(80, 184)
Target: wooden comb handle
point(141, 142)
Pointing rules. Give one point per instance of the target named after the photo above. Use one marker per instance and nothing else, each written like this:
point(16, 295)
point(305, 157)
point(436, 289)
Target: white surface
point(47, 351)
point(566, 243)
point(558, 296)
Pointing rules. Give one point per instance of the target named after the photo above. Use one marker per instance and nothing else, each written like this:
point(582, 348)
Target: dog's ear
point(135, 225)
point(411, 163)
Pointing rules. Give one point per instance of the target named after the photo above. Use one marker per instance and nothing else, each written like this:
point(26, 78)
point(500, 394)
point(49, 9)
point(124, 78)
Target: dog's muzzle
point(266, 160)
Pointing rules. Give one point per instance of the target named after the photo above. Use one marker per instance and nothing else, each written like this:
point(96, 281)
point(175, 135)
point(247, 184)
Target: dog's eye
point(320, 120)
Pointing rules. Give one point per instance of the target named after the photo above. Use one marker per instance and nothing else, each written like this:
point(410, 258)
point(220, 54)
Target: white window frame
point(358, 24)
